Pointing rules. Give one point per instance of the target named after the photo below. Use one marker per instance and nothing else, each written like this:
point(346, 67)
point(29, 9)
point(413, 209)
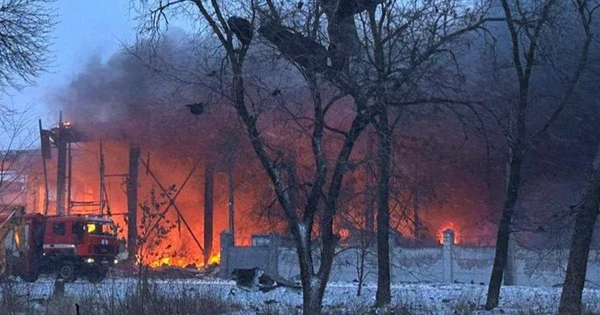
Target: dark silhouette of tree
point(529, 28)
point(25, 28)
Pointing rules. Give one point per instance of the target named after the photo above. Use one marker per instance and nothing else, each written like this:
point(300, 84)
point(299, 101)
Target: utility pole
point(61, 173)
point(46, 154)
point(101, 173)
point(69, 178)
point(132, 186)
point(208, 210)
point(230, 180)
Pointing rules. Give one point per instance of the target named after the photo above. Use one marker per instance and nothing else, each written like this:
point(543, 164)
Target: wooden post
point(230, 181)
point(61, 166)
point(208, 210)
point(69, 178)
point(132, 186)
point(101, 171)
point(45, 148)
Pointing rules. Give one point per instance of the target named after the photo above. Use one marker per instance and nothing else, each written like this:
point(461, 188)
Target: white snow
point(418, 298)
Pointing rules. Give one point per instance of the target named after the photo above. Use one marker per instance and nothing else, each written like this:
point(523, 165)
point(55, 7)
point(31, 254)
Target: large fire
point(184, 262)
point(171, 162)
point(177, 247)
point(123, 102)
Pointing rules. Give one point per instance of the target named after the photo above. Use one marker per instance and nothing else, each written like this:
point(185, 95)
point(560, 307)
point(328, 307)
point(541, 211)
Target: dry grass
point(139, 304)
point(160, 298)
point(137, 301)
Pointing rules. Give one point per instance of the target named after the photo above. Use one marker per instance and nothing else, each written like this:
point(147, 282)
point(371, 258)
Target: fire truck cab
point(69, 246)
point(76, 246)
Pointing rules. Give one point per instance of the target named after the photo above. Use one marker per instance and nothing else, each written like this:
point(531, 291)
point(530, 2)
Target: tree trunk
point(500, 259)
point(208, 211)
point(570, 299)
point(312, 300)
point(313, 284)
point(369, 198)
point(313, 291)
point(361, 265)
point(384, 149)
point(313, 288)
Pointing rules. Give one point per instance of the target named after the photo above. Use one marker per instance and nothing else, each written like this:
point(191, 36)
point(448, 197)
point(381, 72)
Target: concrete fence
point(447, 263)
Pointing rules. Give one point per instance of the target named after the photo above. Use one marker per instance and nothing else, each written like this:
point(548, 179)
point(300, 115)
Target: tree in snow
point(390, 53)
point(532, 29)
point(304, 196)
point(586, 212)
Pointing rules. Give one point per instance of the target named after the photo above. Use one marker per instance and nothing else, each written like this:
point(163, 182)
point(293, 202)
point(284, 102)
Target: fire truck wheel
point(66, 271)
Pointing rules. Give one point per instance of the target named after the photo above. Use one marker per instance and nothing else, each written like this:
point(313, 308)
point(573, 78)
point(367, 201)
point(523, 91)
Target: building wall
point(21, 180)
point(447, 263)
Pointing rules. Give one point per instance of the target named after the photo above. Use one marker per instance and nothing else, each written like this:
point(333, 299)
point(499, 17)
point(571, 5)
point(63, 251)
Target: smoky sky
point(140, 93)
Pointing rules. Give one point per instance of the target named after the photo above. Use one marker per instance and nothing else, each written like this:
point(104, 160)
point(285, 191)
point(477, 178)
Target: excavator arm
point(12, 236)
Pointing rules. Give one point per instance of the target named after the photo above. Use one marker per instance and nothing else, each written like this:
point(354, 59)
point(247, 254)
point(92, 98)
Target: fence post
point(447, 255)
point(226, 244)
point(273, 262)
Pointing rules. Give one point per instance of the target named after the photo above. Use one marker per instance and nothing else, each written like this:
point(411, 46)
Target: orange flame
point(183, 262)
point(445, 227)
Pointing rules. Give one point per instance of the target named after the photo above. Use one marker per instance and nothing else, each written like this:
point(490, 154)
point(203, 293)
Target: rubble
point(256, 279)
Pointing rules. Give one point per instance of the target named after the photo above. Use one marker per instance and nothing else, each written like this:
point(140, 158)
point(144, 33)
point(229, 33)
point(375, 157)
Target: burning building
point(184, 196)
point(197, 175)
point(20, 180)
point(153, 194)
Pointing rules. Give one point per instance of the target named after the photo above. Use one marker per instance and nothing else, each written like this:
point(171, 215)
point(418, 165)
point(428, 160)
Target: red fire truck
point(69, 246)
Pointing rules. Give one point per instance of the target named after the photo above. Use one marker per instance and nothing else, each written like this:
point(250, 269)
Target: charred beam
point(61, 171)
point(231, 196)
point(208, 210)
point(132, 200)
point(172, 201)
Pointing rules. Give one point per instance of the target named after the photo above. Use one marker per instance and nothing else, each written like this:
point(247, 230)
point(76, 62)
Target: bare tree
point(530, 26)
point(16, 158)
point(234, 34)
point(585, 220)
point(153, 232)
point(405, 46)
point(25, 27)
point(382, 53)
point(587, 211)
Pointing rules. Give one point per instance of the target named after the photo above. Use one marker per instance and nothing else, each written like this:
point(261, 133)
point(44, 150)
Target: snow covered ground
point(340, 297)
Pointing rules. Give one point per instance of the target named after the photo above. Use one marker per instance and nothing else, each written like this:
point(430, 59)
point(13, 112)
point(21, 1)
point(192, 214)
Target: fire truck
point(68, 246)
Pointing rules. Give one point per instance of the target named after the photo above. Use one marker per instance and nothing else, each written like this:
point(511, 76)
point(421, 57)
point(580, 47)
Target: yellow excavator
point(12, 233)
